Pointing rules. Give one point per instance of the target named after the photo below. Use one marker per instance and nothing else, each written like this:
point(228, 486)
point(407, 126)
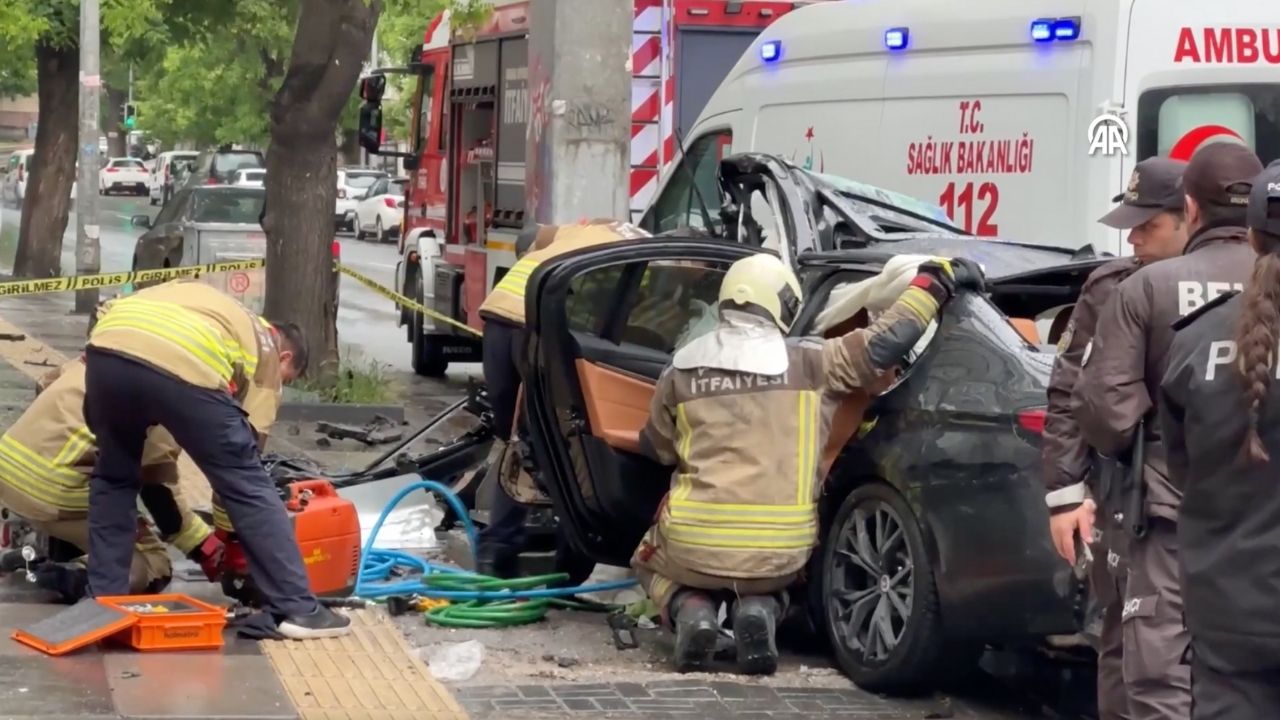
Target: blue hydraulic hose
point(378, 565)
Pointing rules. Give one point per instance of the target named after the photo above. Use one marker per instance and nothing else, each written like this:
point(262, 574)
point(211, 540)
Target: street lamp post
point(88, 258)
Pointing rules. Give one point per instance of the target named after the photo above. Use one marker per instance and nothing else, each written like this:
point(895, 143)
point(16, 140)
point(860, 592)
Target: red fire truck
point(467, 198)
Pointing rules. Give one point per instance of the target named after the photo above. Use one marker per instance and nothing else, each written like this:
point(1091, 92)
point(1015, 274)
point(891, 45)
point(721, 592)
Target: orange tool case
point(144, 622)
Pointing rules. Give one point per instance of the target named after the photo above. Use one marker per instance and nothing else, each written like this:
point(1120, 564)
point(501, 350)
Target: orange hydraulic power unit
point(328, 532)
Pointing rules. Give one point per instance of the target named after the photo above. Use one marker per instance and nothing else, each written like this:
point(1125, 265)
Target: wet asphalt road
point(367, 328)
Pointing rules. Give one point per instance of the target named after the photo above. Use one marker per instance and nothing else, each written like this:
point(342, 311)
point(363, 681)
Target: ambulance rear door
point(1200, 73)
point(985, 119)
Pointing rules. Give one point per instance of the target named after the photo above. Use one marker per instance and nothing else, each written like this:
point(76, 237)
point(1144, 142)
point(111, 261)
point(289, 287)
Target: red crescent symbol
point(1187, 144)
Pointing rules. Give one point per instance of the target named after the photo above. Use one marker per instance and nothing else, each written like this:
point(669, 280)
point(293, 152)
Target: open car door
point(603, 324)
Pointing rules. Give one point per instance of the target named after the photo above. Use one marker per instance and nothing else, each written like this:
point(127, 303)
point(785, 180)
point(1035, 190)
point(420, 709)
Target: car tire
point(355, 227)
point(893, 547)
point(426, 357)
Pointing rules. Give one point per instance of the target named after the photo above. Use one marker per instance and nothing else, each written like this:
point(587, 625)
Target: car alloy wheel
point(881, 600)
point(873, 582)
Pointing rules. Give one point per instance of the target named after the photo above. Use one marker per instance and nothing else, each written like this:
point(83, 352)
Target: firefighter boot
point(755, 623)
point(69, 580)
point(693, 617)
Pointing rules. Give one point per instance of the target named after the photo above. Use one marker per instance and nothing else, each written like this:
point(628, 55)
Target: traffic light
point(129, 120)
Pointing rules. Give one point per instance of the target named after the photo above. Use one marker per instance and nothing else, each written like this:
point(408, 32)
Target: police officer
point(191, 359)
point(1117, 391)
point(741, 519)
point(503, 538)
point(1152, 210)
point(1220, 418)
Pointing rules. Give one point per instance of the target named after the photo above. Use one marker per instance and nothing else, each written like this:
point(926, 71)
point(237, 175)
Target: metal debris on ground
point(43, 362)
point(380, 431)
point(13, 337)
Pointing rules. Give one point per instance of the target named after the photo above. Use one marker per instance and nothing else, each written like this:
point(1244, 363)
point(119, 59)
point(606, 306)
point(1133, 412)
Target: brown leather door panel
point(844, 423)
point(617, 404)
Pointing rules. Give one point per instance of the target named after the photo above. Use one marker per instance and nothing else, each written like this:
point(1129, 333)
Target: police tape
point(13, 288)
point(406, 302)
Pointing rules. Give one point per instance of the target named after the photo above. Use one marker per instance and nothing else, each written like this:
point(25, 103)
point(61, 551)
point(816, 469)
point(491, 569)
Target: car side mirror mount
point(141, 221)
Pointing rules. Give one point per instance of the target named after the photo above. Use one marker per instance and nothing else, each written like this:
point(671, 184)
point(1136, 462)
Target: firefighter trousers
point(504, 537)
point(150, 569)
point(1219, 695)
point(663, 579)
point(1155, 638)
point(123, 398)
point(1107, 582)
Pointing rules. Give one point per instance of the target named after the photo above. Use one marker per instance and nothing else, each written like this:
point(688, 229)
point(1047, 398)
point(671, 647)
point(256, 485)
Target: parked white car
point(250, 178)
point(17, 172)
point(381, 209)
point(353, 183)
point(124, 174)
point(165, 173)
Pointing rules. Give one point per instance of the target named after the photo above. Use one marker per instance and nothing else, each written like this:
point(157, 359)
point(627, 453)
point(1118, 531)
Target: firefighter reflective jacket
point(747, 447)
point(506, 300)
point(46, 458)
point(194, 332)
point(191, 331)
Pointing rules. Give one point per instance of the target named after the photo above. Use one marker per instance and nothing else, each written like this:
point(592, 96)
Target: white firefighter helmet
point(765, 282)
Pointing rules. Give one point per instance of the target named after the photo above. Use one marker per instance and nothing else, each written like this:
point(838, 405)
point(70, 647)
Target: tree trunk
point(48, 196)
point(113, 122)
point(350, 147)
point(331, 39)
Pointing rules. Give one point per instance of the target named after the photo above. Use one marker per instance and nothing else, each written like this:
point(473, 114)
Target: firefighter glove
point(209, 555)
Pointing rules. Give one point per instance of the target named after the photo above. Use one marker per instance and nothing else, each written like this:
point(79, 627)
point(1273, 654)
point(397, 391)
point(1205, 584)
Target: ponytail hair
point(1257, 336)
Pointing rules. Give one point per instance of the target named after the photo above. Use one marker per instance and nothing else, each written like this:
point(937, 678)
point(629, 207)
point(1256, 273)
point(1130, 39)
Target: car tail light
point(211, 181)
point(336, 250)
point(1030, 424)
point(389, 202)
point(111, 170)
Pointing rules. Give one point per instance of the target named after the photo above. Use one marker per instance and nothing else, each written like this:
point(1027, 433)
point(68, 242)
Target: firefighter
point(740, 519)
point(1218, 417)
point(1115, 398)
point(46, 458)
point(190, 358)
point(503, 312)
point(1152, 210)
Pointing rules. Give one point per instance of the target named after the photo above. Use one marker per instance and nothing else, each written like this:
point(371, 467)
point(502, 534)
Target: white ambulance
point(1022, 118)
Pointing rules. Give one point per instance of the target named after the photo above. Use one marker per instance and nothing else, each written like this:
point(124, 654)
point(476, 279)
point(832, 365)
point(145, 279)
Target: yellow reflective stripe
point(738, 538)
point(806, 507)
point(193, 532)
point(18, 474)
point(215, 355)
point(220, 519)
point(684, 443)
point(517, 277)
point(211, 353)
point(248, 360)
point(733, 516)
point(41, 467)
point(75, 446)
point(920, 302)
point(807, 452)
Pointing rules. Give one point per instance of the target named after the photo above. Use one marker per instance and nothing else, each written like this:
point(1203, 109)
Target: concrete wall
point(579, 150)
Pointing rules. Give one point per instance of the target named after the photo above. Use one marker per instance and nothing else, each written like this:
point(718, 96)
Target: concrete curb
point(338, 413)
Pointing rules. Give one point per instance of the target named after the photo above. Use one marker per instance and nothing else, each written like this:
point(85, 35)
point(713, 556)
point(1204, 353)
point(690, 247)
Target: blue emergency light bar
point(1050, 29)
point(1066, 28)
point(896, 38)
point(771, 50)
